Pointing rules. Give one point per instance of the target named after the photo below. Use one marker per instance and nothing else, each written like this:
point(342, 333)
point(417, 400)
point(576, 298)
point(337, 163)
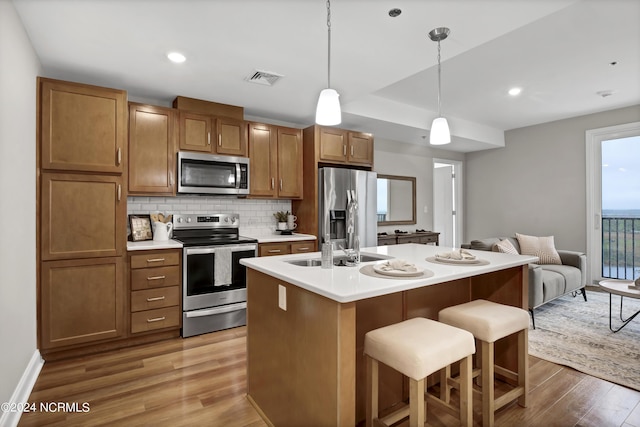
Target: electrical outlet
point(426, 209)
point(282, 297)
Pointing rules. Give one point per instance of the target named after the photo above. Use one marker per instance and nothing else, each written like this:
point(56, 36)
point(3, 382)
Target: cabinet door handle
point(352, 151)
point(280, 184)
point(156, 277)
point(220, 140)
point(155, 260)
point(119, 156)
point(273, 183)
point(344, 150)
point(155, 299)
point(119, 192)
point(208, 138)
point(306, 248)
point(157, 319)
point(274, 251)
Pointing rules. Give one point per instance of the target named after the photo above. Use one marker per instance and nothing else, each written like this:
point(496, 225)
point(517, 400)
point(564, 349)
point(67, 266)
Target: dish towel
point(460, 254)
point(398, 264)
point(222, 267)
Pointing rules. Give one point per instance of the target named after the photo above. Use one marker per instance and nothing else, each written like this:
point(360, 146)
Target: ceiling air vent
point(263, 77)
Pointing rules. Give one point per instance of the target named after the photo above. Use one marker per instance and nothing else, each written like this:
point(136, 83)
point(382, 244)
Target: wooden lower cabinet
point(156, 289)
point(286, 247)
point(82, 301)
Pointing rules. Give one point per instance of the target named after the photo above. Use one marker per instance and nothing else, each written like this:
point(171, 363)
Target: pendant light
point(439, 134)
point(328, 111)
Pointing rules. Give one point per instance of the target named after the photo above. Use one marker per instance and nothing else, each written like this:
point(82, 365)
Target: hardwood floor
point(201, 381)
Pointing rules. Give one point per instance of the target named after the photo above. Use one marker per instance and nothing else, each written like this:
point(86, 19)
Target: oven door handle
point(219, 310)
point(233, 248)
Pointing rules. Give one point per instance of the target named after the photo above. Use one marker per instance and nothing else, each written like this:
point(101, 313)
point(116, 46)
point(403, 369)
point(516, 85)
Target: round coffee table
point(621, 288)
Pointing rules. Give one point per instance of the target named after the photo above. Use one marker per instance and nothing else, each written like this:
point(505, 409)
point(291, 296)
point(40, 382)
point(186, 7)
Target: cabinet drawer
point(150, 320)
point(155, 277)
point(155, 298)
point(273, 249)
point(155, 259)
point(402, 240)
point(429, 239)
point(302, 247)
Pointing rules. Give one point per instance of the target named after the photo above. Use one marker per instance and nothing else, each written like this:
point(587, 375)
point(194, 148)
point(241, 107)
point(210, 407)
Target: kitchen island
point(306, 326)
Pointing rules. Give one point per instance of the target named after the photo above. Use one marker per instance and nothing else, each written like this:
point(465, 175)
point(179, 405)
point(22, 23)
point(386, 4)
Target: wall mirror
point(396, 200)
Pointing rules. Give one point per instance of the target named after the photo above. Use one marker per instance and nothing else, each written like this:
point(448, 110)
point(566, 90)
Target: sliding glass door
point(613, 202)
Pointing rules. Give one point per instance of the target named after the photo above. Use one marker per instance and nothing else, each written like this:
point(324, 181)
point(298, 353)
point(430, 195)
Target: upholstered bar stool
point(417, 348)
point(489, 322)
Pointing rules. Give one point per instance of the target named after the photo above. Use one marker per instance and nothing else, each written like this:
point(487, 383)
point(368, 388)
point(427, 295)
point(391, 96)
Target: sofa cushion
point(542, 247)
point(505, 246)
point(571, 276)
point(553, 284)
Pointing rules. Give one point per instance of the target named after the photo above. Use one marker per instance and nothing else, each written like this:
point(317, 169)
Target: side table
point(621, 288)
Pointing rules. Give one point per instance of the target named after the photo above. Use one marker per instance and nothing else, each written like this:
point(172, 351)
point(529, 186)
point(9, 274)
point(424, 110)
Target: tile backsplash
point(256, 216)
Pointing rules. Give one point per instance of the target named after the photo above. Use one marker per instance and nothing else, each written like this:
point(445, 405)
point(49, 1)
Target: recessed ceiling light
point(176, 57)
point(515, 91)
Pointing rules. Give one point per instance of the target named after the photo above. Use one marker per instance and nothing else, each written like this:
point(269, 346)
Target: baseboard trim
point(23, 390)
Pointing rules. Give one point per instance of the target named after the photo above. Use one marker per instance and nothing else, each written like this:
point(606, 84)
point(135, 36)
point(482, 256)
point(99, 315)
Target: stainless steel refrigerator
point(347, 207)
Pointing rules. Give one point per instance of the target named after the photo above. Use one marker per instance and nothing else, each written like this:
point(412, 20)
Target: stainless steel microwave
point(200, 173)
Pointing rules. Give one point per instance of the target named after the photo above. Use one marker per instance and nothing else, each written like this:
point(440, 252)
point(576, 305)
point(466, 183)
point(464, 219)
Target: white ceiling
point(558, 51)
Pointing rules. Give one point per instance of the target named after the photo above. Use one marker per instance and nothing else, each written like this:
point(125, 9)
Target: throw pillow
point(506, 247)
point(542, 247)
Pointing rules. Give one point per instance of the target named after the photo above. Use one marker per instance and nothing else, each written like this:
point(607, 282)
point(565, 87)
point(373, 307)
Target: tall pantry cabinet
point(82, 136)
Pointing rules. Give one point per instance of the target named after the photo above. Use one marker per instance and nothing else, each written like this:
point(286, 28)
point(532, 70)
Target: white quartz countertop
point(347, 284)
point(147, 245)
point(276, 238)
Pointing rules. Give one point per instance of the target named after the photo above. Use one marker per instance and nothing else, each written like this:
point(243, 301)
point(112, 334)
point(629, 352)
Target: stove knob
point(235, 219)
point(188, 219)
point(226, 219)
point(179, 219)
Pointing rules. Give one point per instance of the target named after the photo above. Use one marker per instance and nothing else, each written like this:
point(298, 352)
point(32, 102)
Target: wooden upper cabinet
point(263, 166)
point(83, 128)
point(195, 132)
point(360, 148)
point(289, 163)
point(201, 132)
point(231, 137)
point(83, 216)
point(276, 161)
point(333, 145)
point(153, 135)
point(343, 146)
point(82, 301)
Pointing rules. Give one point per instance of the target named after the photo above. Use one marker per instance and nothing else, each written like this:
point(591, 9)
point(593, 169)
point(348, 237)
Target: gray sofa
point(546, 281)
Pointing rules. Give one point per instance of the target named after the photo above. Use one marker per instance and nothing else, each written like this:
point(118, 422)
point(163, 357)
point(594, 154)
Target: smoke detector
point(266, 78)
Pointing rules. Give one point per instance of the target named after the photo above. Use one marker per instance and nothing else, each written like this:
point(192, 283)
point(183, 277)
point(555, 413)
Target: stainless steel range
point(214, 289)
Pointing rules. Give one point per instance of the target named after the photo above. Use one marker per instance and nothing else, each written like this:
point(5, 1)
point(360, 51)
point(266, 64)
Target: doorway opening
point(447, 201)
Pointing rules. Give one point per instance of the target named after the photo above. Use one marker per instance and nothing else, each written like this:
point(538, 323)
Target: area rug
point(575, 333)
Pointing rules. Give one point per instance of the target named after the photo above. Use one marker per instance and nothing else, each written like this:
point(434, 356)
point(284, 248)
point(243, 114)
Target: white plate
point(398, 273)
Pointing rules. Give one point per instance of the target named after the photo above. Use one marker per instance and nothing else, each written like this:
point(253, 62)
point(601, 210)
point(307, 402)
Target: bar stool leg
point(372, 390)
point(523, 365)
point(488, 372)
point(417, 411)
point(445, 390)
point(466, 391)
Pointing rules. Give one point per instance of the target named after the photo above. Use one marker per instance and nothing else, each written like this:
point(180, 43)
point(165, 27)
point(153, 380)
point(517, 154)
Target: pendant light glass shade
point(439, 134)
point(328, 112)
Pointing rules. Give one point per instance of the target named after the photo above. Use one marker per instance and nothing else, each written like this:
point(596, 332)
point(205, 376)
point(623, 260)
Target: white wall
point(19, 67)
point(395, 158)
point(537, 183)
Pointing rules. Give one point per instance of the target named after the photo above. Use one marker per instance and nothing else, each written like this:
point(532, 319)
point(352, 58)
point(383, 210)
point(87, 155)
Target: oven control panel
point(206, 221)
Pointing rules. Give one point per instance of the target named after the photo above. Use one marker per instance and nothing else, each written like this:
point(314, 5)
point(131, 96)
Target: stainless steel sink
point(337, 260)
